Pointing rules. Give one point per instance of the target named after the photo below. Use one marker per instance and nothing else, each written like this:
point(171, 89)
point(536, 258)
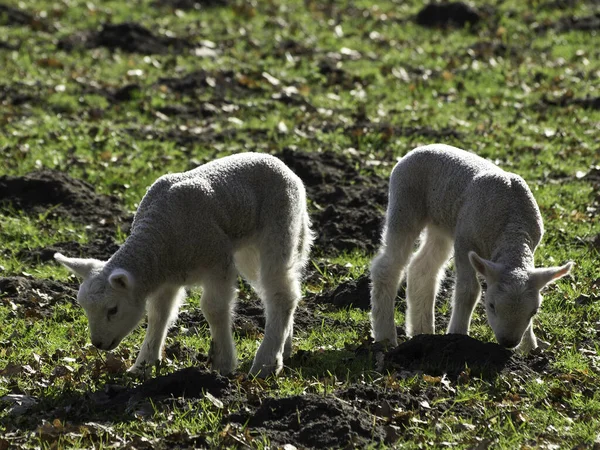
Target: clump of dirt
point(129, 37)
point(101, 248)
point(14, 16)
point(35, 298)
point(451, 14)
point(386, 130)
point(10, 16)
point(572, 23)
point(450, 354)
point(221, 81)
point(311, 421)
point(190, 4)
point(568, 100)
point(16, 94)
point(488, 49)
point(355, 202)
point(59, 195)
point(349, 294)
point(372, 397)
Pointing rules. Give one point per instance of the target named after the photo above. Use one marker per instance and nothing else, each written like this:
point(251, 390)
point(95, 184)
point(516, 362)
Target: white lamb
point(494, 224)
point(244, 213)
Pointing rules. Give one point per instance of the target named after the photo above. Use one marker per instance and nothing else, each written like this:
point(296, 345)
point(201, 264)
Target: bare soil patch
point(573, 23)
point(35, 298)
point(355, 202)
point(568, 100)
point(451, 14)
point(129, 37)
point(249, 317)
point(220, 81)
point(59, 195)
point(17, 94)
point(349, 294)
point(311, 421)
point(10, 16)
point(101, 248)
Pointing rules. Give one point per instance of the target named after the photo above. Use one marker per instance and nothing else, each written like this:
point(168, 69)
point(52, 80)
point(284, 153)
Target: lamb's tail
point(305, 241)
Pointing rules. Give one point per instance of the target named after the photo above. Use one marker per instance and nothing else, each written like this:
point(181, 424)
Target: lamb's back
point(460, 189)
point(229, 192)
point(437, 179)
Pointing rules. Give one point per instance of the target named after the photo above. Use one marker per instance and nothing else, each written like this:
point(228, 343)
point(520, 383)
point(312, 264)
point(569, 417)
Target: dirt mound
point(190, 383)
point(349, 294)
point(311, 421)
point(355, 202)
point(59, 195)
point(100, 248)
point(35, 298)
point(129, 37)
point(450, 354)
point(452, 14)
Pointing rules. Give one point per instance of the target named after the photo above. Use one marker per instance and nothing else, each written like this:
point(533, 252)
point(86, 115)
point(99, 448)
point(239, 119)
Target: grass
point(341, 64)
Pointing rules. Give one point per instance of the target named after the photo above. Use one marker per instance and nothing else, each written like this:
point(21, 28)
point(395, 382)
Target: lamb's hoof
point(385, 344)
point(143, 370)
point(542, 345)
point(221, 363)
point(538, 349)
point(265, 370)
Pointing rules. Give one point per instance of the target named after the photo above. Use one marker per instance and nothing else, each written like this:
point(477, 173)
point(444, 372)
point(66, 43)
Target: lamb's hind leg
point(217, 303)
point(163, 307)
point(423, 278)
point(281, 296)
point(280, 284)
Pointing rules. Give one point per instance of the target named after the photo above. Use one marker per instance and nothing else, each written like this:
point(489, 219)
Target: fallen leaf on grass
point(114, 364)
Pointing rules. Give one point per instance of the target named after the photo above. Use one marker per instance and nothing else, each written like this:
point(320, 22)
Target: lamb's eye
point(492, 308)
point(112, 311)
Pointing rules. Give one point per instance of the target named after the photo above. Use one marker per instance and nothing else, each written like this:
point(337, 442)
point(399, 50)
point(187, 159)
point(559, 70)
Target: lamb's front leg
point(163, 307)
point(216, 303)
point(529, 341)
point(466, 294)
point(423, 279)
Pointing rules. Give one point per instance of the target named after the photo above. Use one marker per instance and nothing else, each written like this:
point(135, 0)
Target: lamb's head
point(513, 296)
point(108, 300)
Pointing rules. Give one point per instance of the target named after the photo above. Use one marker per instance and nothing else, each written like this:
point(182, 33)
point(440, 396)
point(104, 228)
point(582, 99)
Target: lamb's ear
point(490, 270)
point(121, 280)
point(79, 266)
point(542, 277)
